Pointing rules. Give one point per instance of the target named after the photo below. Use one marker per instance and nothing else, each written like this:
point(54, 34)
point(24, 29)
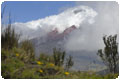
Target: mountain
point(55, 35)
point(52, 39)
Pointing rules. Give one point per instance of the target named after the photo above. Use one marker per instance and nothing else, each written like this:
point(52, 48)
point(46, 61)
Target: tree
point(9, 38)
point(110, 54)
point(69, 63)
point(59, 57)
point(27, 46)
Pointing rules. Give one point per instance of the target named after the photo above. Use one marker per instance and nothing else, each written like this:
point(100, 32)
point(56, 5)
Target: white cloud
point(89, 37)
point(69, 17)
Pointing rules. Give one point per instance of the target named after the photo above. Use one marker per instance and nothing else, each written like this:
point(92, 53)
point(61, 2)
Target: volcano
point(55, 35)
point(53, 39)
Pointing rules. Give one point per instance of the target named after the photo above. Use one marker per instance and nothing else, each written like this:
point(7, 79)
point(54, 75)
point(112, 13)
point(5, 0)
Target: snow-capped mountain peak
point(62, 21)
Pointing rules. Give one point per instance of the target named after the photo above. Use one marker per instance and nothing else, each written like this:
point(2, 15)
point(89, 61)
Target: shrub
point(27, 46)
point(59, 57)
point(69, 63)
point(9, 66)
point(45, 58)
point(110, 55)
point(9, 38)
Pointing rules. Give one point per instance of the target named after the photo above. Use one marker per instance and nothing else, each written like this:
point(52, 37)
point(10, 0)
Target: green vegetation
point(58, 57)
point(69, 63)
point(13, 66)
point(7, 38)
point(110, 54)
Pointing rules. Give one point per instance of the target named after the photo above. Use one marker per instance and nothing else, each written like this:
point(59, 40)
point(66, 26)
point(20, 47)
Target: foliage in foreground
point(110, 54)
point(13, 66)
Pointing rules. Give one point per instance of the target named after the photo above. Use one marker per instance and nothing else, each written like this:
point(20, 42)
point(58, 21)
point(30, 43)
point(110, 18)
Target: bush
point(69, 63)
point(27, 46)
point(9, 66)
point(29, 74)
point(59, 57)
point(45, 58)
point(9, 38)
point(4, 54)
point(110, 55)
point(111, 76)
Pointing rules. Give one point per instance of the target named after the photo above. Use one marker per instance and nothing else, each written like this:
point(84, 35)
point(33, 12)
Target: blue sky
point(23, 11)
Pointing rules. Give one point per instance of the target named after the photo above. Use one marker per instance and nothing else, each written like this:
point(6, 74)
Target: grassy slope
point(14, 66)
